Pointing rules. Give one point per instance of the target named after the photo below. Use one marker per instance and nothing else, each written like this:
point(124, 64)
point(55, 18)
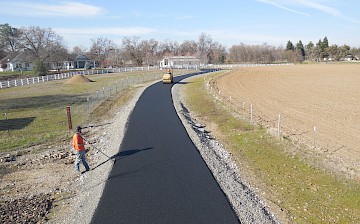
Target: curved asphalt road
point(159, 176)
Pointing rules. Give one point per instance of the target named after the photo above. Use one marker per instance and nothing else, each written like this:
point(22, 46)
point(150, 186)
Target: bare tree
point(133, 50)
point(310, 51)
point(204, 48)
point(116, 56)
point(79, 50)
point(43, 44)
point(355, 52)
point(256, 53)
point(217, 53)
point(169, 48)
point(188, 48)
point(237, 53)
point(101, 49)
point(151, 50)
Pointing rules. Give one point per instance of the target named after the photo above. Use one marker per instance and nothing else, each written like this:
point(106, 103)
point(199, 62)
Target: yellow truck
point(168, 77)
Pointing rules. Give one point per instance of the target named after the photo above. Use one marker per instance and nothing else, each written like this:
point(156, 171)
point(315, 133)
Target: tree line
point(45, 46)
point(320, 51)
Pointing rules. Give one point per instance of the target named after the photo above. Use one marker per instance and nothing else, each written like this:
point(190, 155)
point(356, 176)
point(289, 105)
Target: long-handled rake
point(110, 158)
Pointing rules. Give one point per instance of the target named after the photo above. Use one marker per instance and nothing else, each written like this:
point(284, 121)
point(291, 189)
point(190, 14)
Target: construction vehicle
point(168, 77)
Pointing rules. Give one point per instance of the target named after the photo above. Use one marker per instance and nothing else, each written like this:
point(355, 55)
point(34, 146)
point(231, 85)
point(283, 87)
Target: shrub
point(39, 68)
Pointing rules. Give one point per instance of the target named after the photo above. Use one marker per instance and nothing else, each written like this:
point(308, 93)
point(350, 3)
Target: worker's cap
point(78, 128)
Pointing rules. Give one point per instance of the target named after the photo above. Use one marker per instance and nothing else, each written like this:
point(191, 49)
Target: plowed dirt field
point(319, 107)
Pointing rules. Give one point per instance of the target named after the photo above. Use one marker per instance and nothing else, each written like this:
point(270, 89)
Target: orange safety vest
point(78, 142)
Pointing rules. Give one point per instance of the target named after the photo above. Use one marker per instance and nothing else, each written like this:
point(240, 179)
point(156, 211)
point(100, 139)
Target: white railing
point(33, 80)
point(231, 66)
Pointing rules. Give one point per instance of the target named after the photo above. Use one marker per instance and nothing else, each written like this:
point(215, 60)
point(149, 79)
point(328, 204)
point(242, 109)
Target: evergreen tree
point(39, 68)
point(325, 43)
point(9, 37)
point(289, 46)
point(300, 49)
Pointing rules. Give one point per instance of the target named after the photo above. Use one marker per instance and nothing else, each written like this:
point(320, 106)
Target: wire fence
point(28, 116)
point(248, 111)
point(283, 123)
point(38, 113)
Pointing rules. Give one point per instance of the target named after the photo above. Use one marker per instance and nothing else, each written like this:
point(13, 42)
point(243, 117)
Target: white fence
point(231, 66)
point(33, 80)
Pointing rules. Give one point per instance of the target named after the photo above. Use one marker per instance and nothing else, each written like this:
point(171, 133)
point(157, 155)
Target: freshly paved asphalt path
point(159, 175)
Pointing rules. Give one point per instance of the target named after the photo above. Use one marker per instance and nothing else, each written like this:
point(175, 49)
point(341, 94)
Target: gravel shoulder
point(246, 203)
point(73, 198)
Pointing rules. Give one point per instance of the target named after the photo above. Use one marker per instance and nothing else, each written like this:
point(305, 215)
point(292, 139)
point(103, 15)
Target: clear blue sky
point(228, 22)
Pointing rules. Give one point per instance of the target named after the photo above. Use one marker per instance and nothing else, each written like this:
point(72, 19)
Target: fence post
point(314, 137)
point(278, 127)
point(69, 117)
point(88, 104)
point(251, 114)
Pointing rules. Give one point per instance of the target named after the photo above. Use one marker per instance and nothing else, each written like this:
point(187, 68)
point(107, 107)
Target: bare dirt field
point(319, 107)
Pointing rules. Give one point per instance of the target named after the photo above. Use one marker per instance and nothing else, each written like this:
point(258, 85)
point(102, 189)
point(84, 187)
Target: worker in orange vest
point(79, 146)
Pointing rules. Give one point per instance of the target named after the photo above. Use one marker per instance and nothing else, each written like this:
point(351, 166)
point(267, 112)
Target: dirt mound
point(78, 79)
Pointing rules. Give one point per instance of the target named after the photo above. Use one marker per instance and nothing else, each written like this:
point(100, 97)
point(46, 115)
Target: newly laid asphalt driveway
point(159, 176)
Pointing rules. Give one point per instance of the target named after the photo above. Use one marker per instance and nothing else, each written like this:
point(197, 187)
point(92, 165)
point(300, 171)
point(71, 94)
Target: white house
point(15, 62)
point(19, 61)
point(187, 62)
point(78, 63)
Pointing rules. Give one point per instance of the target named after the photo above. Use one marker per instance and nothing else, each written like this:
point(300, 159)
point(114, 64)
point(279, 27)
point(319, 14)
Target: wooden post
point(69, 117)
point(278, 126)
point(251, 114)
point(314, 137)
